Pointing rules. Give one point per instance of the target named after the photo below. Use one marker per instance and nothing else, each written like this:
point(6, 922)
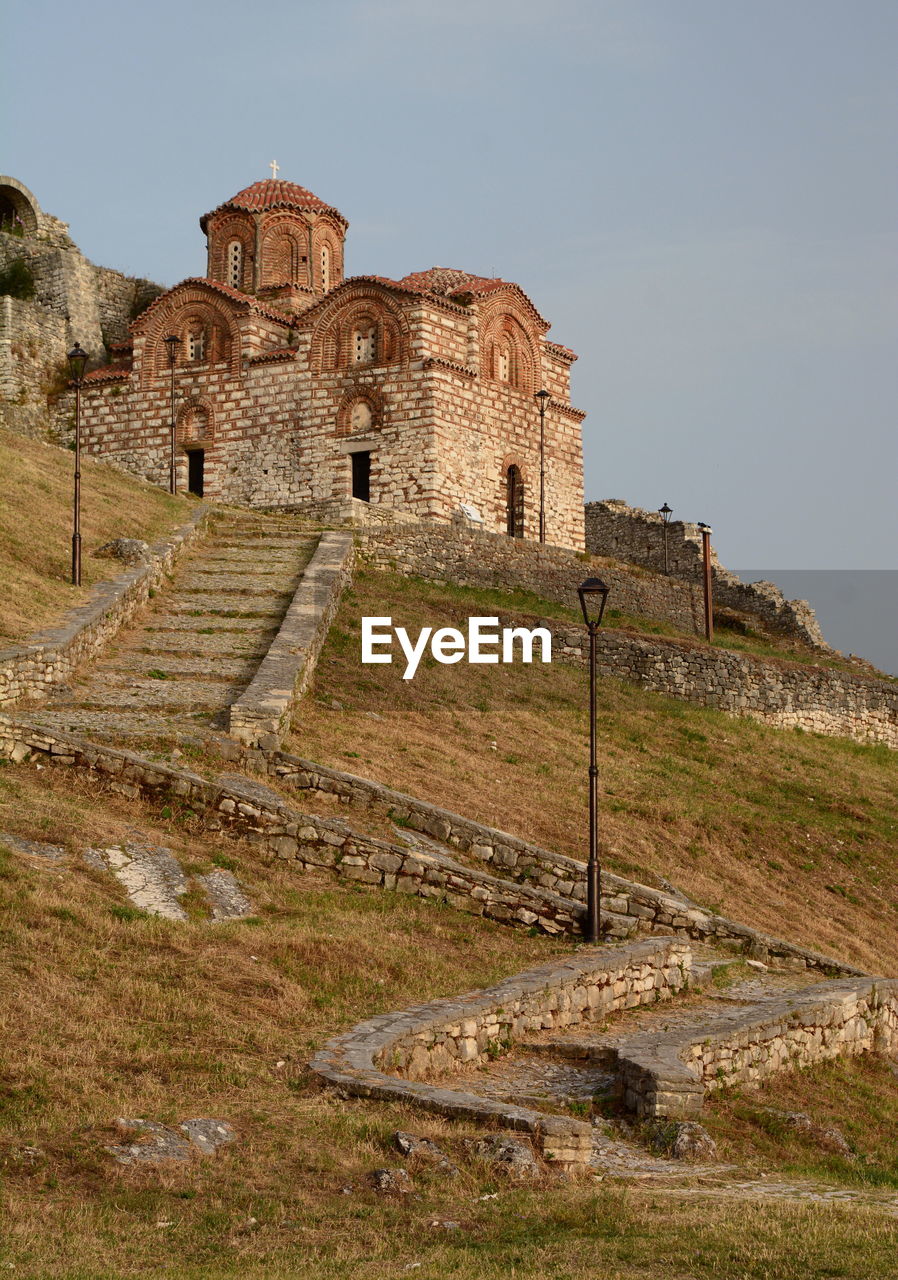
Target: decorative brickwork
point(432, 377)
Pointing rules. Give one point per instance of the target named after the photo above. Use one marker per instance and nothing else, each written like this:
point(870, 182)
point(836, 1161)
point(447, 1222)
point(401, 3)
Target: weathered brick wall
point(637, 537)
point(440, 433)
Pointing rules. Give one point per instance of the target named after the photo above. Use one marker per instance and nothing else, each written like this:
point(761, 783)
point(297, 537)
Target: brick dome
point(272, 193)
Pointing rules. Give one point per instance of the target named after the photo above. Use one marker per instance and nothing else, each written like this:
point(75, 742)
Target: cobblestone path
point(197, 646)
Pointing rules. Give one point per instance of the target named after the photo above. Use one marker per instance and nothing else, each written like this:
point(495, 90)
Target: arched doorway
point(514, 502)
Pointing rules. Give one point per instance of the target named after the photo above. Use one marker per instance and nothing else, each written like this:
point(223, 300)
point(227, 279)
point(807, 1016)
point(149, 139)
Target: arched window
point(364, 343)
point(196, 344)
point(514, 502)
point(503, 365)
point(325, 267)
point(235, 264)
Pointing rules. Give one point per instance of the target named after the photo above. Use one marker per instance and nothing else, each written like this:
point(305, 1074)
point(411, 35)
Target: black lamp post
point(665, 513)
point(593, 594)
point(706, 557)
point(172, 344)
point(543, 397)
point(78, 359)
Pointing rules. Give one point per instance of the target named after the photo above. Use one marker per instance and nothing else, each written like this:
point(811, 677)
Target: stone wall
point(455, 1034)
point(261, 714)
point(509, 857)
point(788, 695)
point(32, 353)
point(471, 557)
point(637, 537)
point(667, 1073)
point(74, 301)
point(236, 806)
point(49, 657)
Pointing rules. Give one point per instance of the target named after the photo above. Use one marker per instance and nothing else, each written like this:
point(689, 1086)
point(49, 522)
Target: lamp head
point(77, 359)
point(665, 513)
point(172, 342)
point(593, 594)
point(543, 397)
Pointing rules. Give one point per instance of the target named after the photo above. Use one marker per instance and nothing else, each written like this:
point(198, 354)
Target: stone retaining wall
point(540, 869)
point(49, 657)
point(454, 1034)
point(471, 557)
point(628, 533)
point(667, 1073)
point(788, 695)
point(261, 714)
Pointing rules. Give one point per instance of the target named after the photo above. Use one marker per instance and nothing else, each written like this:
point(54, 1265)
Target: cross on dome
point(274, 166)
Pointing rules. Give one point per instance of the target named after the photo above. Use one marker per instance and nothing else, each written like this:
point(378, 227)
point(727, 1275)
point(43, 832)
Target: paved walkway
point(199, 643)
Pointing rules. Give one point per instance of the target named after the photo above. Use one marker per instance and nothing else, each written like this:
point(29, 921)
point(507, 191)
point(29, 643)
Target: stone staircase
point(197, 647)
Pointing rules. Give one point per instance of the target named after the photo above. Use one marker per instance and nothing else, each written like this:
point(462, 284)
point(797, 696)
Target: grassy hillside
point(794, 833)
point(104, 1012)
point(36, 488)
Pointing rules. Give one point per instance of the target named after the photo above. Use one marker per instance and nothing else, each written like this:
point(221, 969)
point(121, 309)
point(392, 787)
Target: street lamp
point(665, 513)
point(543, 397)
point(78, 359)
point(172, 344)
point(706, 557)
point(593, 594)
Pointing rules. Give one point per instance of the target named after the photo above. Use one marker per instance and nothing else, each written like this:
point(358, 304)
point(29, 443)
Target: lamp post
point(593, 594)
point(172, 344)
point(665, 513)
point(543, 397)
point(706, 556)
point(78, 359)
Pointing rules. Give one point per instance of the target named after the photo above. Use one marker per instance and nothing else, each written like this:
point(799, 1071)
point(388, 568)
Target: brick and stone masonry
point(296, 386)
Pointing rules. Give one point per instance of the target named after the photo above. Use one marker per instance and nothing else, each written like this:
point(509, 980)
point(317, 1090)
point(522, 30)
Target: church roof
point(463, 286)
point(272, 193)
point(245, 300)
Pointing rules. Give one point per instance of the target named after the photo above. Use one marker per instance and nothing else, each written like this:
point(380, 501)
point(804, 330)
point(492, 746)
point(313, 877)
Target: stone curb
point(49, 657)
point(460, 1032)
point(262, 713)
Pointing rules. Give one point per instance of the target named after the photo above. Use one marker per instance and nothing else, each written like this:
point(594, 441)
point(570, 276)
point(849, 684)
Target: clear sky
point(701, 195)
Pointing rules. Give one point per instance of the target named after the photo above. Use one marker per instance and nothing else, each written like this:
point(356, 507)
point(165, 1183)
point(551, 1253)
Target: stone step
point(160, 695)
point(261, 605)
point(222, 644)
point(125, 667)
point(159, 623)
point(239, 583)
point(115, 726)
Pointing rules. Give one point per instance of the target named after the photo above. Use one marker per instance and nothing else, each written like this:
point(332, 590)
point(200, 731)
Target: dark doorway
point(514, 502)
point(361, 476)
point(195, 460)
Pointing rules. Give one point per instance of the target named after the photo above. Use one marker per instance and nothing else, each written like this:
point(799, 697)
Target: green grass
point(752, 820)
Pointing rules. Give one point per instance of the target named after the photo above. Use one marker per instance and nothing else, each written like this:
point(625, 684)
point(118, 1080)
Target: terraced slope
point(196, 649)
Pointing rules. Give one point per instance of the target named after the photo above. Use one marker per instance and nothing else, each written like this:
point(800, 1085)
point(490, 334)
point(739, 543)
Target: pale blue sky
point(700, 195)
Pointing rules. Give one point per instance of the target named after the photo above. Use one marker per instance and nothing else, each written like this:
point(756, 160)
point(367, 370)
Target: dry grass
point(793, 833)
point(36, 528)
point(103, 1016)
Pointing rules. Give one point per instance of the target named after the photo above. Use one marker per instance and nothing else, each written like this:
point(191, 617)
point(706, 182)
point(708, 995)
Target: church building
point(292, 386)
